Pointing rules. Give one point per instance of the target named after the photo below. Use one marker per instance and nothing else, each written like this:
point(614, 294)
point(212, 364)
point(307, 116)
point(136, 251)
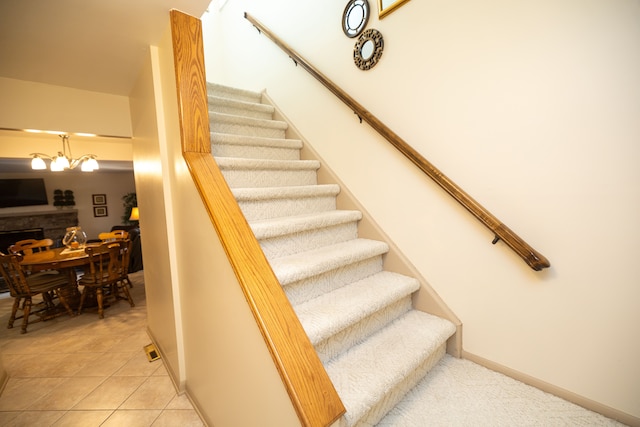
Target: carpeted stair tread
point(270, 193)
point(274, 202)
point(288, 235)
point(233, 93)
point(368, 372)
point(221, 118)
point(303, 265)
point(239, 107)
point(256, 141)
point(267, 228)
point(233, 163)
point(334, 311)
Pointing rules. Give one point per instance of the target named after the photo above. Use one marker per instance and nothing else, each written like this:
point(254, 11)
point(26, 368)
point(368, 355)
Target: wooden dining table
point(55, 259)
point(64, 260)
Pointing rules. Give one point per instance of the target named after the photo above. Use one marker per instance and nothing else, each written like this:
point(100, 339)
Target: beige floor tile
point(23, 365)
point(154, 393)
point(7, 416)
point(161, 370)
point(20, 393)
point(35, 418)
point(85, 342)
point(180, 402)
point(82, 418)
point(72, 364)
point(138, 365)
point(178, 417)
point(104, 365)
point(67, 394)
point(48, 365)
point(132, 418)
point(15, 343)
point(134, 340)
point(111, 393)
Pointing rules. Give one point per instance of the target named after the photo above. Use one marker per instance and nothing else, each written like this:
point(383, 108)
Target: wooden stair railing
point(311, 391)
point(533, 258)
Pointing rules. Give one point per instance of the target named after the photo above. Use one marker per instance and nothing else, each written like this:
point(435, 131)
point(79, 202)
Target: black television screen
point(22, 192)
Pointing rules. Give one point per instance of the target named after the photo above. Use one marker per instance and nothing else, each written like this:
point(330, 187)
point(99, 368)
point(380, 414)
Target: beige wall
point(18, 145)
point(31, 105)
point(197, 313)
point(533, 109)
point(151, 175)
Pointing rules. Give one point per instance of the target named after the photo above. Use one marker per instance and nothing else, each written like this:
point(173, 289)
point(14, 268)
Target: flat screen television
point(22, 192)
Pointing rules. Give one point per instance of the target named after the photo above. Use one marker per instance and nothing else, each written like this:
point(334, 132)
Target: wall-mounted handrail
point(533, 258)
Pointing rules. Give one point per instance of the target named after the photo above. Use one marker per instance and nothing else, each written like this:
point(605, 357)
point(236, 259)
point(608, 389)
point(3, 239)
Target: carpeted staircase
point(373, 344)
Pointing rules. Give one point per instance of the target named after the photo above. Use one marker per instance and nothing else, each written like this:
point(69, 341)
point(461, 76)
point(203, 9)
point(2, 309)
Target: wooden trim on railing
point(533, 258)
point(311, 391)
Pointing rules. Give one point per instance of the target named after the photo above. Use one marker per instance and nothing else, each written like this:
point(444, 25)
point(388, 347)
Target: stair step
point(236, 107)
point(345, 317)
point(231, 145)
point(307, 275)
point(268, 173)
point(274, 202)
point(373, 344)
point(289, 235)
point(372, 377)
point(233, 93)
point(228, 123)
point(300, 266)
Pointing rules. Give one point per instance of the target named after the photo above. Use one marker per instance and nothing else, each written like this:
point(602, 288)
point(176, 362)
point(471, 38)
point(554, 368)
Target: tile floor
point(85, 371)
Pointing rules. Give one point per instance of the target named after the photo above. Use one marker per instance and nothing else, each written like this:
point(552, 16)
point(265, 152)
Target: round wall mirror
point(368, 49)
point(366, 52)
point(355, 17)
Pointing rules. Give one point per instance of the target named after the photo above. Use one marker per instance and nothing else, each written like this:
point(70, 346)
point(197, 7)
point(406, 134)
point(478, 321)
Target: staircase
point(373, 344)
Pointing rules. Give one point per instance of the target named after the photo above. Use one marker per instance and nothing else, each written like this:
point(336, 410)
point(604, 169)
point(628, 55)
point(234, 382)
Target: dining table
point(65, 260)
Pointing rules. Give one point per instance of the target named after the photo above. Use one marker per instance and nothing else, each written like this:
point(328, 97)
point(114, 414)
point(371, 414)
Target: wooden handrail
point(310, 389)
point(533, 258)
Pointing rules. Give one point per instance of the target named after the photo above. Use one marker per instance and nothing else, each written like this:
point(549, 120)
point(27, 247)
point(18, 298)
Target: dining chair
point(105, 274)
point(29, 246)
point(23, 287)
point(125, 254)
point(109, 236)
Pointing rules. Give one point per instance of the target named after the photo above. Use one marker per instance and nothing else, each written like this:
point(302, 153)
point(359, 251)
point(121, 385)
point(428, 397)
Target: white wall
point(532, 108)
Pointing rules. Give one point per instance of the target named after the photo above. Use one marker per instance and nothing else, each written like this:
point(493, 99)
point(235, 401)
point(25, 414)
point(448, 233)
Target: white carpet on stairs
point(460, 393)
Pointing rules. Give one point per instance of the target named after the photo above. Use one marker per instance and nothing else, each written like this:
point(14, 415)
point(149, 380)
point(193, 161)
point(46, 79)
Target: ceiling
point(94, 45)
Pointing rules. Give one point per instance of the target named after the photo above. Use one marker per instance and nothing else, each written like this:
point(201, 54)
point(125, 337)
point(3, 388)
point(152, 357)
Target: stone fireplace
point(24, 225)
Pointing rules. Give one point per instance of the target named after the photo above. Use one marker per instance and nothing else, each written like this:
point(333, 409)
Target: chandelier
point(63, 160)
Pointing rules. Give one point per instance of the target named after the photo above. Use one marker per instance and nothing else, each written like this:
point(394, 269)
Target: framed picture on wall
point(100, 211)
point(99, 199)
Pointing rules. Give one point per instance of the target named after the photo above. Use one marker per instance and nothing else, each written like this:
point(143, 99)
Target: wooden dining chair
point(23, 287)
point(125, 254)
point(110, 236)
point(29, 246)
point(105, 274)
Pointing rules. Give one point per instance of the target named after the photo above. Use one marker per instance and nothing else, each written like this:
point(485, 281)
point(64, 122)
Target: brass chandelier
point(62, 160)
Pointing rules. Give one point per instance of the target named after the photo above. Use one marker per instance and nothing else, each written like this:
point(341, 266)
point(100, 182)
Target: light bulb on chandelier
point(63, 161)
